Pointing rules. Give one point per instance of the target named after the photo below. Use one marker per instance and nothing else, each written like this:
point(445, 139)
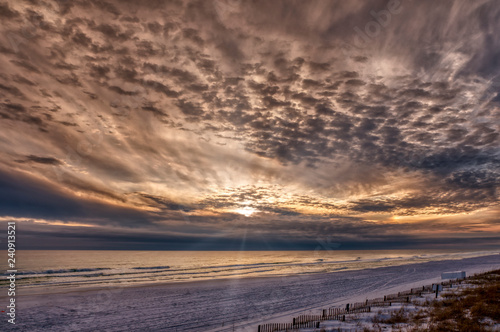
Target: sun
point(247, 211)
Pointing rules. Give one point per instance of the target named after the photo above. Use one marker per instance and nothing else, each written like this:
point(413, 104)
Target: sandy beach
point(221, 305)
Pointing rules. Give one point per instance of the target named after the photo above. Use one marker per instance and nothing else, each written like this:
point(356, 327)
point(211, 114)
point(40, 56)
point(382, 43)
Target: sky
point(250, 125)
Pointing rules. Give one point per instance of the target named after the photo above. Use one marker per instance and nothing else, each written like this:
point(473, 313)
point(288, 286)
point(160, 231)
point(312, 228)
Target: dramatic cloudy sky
point(234, 124)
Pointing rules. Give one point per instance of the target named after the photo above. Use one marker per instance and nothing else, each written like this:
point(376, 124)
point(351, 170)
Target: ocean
point(75, 268)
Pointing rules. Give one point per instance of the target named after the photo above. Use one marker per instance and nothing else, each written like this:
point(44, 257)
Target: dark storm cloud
point(460, 197)
point(154, 110)
point(7, 12)
point(12, 90)
point(159, 87)
point(119, 90)
point(166, 204)
point(26, 65)
point(112, 32)
point(61, 237)
point(316, 234)
point(29, 197)
point(43, 160)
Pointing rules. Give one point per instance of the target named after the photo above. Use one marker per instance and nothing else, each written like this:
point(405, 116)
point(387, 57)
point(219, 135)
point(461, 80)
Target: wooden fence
point(304, 321)
point(308, 321)
point(286, 326)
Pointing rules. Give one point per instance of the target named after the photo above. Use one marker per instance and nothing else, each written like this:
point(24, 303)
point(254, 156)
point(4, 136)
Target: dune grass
point(472, 308)
point(475, 308)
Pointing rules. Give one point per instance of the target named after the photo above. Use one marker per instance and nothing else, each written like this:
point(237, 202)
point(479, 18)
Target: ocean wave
point(62, 271)
point(244, 265)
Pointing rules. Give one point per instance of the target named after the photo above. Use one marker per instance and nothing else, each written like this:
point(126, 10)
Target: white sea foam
point(53, 268)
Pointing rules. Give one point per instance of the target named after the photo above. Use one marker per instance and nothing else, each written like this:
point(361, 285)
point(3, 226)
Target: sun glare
point(247, 211)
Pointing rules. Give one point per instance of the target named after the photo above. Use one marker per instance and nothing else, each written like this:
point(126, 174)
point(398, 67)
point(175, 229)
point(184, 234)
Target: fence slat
point(308, 321)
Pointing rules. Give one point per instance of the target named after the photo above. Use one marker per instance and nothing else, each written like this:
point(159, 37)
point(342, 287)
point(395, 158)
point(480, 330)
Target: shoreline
point(62, 289)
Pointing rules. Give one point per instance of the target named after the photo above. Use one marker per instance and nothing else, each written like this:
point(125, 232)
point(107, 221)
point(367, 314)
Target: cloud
point(27, 196)
point(7, 12)
point(43, 160)
point(198, 108)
